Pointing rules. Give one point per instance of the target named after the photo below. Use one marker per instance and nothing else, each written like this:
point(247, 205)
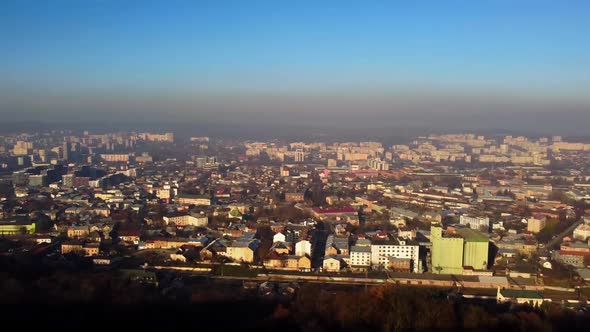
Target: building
point(14, 227)
point(335, 213)
point(360, 257)
point(76, 232)
point(400, 264)
point(477, 223)
point(383, 250)
point(520, 296)
point(378, 164)
point(187, 220)
point(336, 246)
point(582, 232)
point(303, 247)
point(129, 236)
point(453, 251)
point(243, 250)
point(91, 249)
point(446, 252)
point(166, 137)
point(332, 263)
point(475, 249)
point(299, 156)
point(535, 225)
point(295, 197)
point(279, 237)
point(193, 200)
point(115, 157)
point(72, 246)
point(40, 180)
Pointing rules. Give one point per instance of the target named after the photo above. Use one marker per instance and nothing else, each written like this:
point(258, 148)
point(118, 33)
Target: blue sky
point(173, 51)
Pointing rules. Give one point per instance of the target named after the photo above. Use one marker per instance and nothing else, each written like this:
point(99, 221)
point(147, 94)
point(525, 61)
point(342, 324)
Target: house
point(169, 243)
point(129, 236)
point(303, 247)
point(300, 263)
point(217, 248)
point(275, 260)
point(281, 247)
point(520, 296)
point(332, 263)
point(77, 232)
point(346, 213)
point(91, 249)
point(71, 246)
point(243, 250)
point(279, 237)
point(336, 246)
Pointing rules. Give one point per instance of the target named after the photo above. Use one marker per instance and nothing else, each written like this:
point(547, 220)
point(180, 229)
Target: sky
point(516, 64)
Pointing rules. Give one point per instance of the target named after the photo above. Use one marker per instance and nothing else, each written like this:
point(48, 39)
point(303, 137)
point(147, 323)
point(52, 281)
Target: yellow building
point(91, 249)
point(243, 250)
point(68, 247)
point(76, 232)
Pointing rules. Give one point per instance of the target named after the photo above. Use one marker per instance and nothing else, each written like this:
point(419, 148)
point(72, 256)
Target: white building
point(303, 247)
point(278, 237)
point(476, 223)
point(381, 251)
point(187, 220)
point(360, 256)
point(582, 232)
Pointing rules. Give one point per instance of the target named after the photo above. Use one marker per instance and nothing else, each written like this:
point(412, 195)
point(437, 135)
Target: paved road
point(555, 241)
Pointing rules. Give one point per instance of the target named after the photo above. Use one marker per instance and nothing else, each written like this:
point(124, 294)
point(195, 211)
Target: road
point(556, 240)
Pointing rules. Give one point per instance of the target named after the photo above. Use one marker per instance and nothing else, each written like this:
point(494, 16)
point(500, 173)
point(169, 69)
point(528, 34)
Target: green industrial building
point(475, 250)
point(451, 252)
point(447, 252)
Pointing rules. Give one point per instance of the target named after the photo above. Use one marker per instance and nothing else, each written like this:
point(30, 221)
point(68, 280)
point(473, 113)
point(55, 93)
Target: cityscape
point(484, 218)
point(295, 166)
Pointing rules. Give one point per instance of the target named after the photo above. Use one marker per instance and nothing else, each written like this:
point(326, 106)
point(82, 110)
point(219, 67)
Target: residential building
point(535, 225)
point(383, 250)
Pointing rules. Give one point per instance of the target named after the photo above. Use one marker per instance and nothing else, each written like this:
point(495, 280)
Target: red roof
point(574, 253)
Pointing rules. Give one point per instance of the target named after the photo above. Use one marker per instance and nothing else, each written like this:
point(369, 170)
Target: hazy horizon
point(456, 65)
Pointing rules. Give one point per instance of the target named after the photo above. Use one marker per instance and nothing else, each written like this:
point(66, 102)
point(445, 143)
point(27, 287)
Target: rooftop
point(520, 293)
point(472, 235)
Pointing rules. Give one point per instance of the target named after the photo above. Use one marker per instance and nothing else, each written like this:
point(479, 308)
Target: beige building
point(193, 199)
point(91, 249)
point(76, 232)
point(535, 225)
point(187, 219)
point(243, 250)
point(68, 247)
point(331, 264)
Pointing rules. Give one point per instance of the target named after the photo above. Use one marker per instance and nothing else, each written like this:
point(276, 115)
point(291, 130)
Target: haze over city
point(516, 65)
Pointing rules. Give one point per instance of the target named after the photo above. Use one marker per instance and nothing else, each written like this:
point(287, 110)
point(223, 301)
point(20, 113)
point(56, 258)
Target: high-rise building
point(299, 156)
point(66, 148)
